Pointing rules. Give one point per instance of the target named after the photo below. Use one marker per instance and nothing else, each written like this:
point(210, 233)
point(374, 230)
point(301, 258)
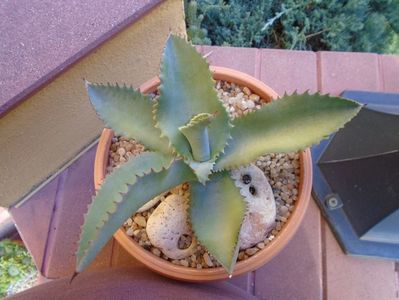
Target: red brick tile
point(357, 278)
point(296, 273)
point(390, 72)
point(287, 71)
point(241, 59)
point(340, 71)
point(32, 219)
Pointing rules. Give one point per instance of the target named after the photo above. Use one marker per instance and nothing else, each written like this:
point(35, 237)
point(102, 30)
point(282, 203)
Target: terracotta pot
point(261, 257)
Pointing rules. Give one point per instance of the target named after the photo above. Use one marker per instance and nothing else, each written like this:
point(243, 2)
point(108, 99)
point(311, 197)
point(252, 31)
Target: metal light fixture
point(356, 178)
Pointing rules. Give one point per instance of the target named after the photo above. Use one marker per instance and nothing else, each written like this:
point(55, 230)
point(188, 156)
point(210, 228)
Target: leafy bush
point(15, 265)
point(351, 25)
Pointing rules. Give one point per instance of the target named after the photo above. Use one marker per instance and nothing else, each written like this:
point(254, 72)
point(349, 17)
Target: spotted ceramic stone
point(261, 206)
point(168, 224)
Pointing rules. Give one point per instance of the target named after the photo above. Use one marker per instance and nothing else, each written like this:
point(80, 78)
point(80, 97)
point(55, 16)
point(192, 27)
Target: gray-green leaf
point(217, 210)
point(289, 124)
point(186, 90)
point(123, 192)
point(128, 113)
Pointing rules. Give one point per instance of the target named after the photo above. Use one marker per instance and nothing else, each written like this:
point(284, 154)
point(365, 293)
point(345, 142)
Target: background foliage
point(351, 25)
point(15, 266)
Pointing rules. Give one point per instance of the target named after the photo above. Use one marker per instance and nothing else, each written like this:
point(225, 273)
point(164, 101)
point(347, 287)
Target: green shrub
point(351, 25)
point(15, 265)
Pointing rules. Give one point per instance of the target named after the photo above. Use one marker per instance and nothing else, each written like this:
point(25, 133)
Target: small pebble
point(184, 263)
point(121, 151)
point(156, 251)
point(254, 97)
point(140, 220)
point(246, 91)
point(260, 245)
point(250, 104)
point(207, 260)
point(130, 231)
point(241, 255)
point(251, 251)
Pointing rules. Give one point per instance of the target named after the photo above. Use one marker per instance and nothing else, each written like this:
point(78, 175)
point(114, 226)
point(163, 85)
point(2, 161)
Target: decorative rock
point(129, 222)
point(250, 104)
point(184, 263)
point(261, 213)
point(251, 251)
point(261, 245)
point(246, 91)
point(156, 251)
point(207, 260)
point(140, 220)
point(283, 210)
point(130, 231)
point(167, 224)
point(121, 151)
point(254, 97)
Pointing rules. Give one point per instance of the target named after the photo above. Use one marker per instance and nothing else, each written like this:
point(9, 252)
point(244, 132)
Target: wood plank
point(73, 196)
point(353, 277)
point(33, 218)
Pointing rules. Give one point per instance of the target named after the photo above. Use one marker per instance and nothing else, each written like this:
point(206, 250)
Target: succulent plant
point(189, 137)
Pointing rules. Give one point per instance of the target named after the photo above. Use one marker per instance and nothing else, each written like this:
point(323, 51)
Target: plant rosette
point(191, 137)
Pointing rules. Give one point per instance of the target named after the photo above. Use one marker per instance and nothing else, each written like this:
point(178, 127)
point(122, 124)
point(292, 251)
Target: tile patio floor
point(312, 266)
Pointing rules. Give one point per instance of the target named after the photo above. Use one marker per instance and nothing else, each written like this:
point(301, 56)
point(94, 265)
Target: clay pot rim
point(168, 269)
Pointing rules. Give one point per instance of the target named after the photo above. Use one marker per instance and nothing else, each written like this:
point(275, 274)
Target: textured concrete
point(38, 38)
point(55, 123)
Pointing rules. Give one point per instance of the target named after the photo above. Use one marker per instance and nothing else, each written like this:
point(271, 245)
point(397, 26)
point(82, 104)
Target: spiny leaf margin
point(187, 89)
point(289, 124)
point(113, 191)
point(128, 113)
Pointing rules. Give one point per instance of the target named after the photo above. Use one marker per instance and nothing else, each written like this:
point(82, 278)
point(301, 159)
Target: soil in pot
point(281, 170)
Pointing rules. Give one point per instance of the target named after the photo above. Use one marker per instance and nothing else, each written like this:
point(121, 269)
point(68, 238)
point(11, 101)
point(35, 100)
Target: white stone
point(261, 206)
point(150, 204)
point(250, 104)
point(167, 224)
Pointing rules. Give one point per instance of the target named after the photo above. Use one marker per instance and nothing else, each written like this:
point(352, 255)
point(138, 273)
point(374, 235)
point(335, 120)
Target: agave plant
point(189, 137)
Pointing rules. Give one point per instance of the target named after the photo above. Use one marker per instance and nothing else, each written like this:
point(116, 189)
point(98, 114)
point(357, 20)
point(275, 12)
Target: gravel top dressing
point(282, 171)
